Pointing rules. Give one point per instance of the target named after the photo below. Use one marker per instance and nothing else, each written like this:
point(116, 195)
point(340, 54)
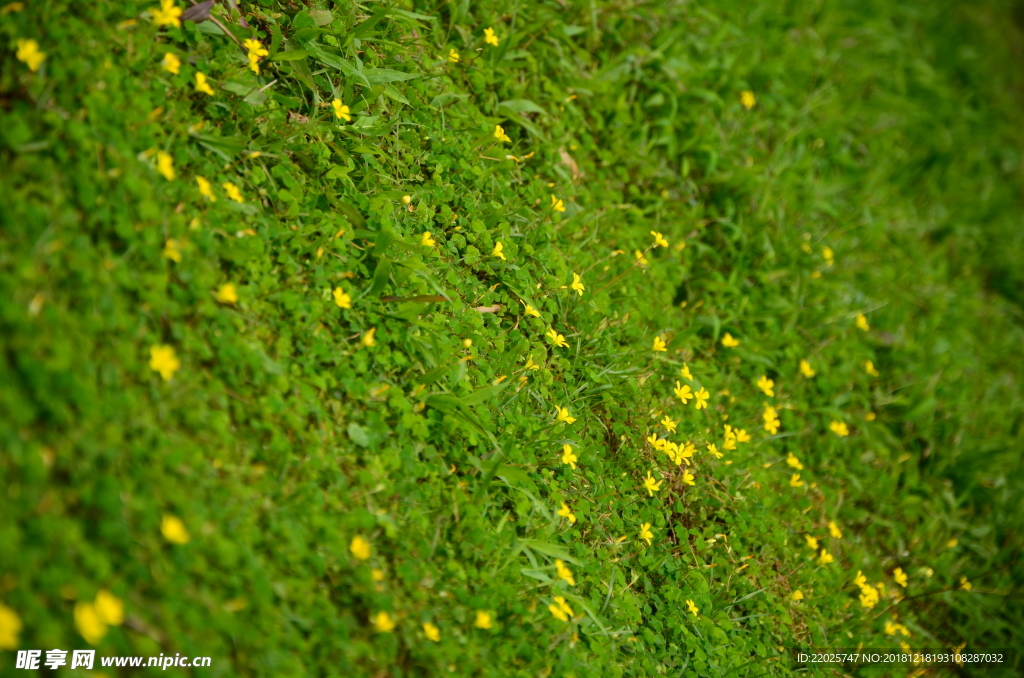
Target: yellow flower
point(792, 460)
point(162, 359)
point(683, 392)
point(167, 15)
point(834, 530)
point(341, 299)
point(205, 189)
point(669, 424)
point(560, 609)
point(483, 620)
point(165, 165)
point(254, 62)
point(496, 252)
point(232, 191)
point(771, 420)
point(427, 239)
point(684, 372)
point(712, 449)
point(453, 56)
point(964, 584)
point(171, 63)
point(530, 310)
point(368, 339)
point(659, 239)
point(797, 595)
point(687, 450)
point(567, 513)
point(202, 85)
point(868, 596)
point(109, 607)
point(360, 547)
point(828, 255)
point(860, 580)
point(227, 294)
point(10, 627)
point(645, 533)
point(557, 339)
point(651, 485)
point(530, 365)
point(557, 204)
point(701, 398)
point(952, 543)
point(688, 478)
point(431, 632)
point(174, 530)
point(729, 342)
point(869, 367)
point(568, 457)
point(28, 52)
point(795, 481)
point(377, 574)
point(766, 384)
point(862, 322)
point(692, 608)
point(900, 576)
point(640, 258)
point(564, 572)
point(562, 414)
point(659, 344)
point(577, 284)
point(742, 436)
point(825, 557)
point(383, 623)
point(499, 133)
point(341, 110)
point(806, 369)
point(839, 428)
point(489, 37)
point(172, 250)
point(89, 623)
point(747, 99)
point(812, 542)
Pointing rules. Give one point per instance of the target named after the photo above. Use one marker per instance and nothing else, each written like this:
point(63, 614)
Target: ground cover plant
point(524, 338)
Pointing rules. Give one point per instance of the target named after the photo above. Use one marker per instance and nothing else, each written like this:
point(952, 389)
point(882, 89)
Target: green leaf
point(551, 550)
point(379, 76)
point(290, 55)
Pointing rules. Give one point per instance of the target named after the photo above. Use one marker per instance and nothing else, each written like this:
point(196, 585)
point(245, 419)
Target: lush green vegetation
point(322, 427)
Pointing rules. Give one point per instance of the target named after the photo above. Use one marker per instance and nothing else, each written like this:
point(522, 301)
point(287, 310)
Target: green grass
point(888, 134)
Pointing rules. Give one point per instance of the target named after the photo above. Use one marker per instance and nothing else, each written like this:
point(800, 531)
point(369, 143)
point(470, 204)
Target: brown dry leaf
point(571, 164)
point(295, 117)
point(488, 309)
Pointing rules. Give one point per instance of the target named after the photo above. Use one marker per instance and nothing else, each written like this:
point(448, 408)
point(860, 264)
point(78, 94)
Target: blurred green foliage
point(877, 171)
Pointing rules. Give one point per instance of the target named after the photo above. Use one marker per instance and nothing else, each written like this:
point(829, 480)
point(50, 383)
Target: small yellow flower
point(812, 542)
point(562, 414)
point(862, 322)
point(683, 392)
point(688, 478)
point(431, 632)
point(109, 607)
point(797, 595)
point(496, 252)
point(684, 372)
point(499, 134)
point(825, 558)
point(839, 428)
point(232, 191)
point(868, 596)
point(167, 15)
point(205, 189)
point(742, 436)
point(806, 369)
point(564, 572)
point(227, 294)
point(659, 344)
point(669, 424)
point(383, 623)
point(377, 574)
point(174, 530)
point(165, 165)
point(701, 397)
point(860, 581)
point(713, 449)
point(964, 584)
point(557, 204)
point(729, 342)
point(530, 365)
point(577, 284)
point(692, 608)
point(28, 53)
point(172, 250)
point(489, 37)
point(202, 85)
point(560, 609)
point(792, 460)
point(557, 339)
point(567, 513)
point(766, 384)
point(368, 339)
point(162, 359)
point(869, 367)
point(341, 111)
point(659, 239)
point(453, 56)
point(89, 623)
point(795, 481)
point(645, 533)
point(900, 576)
point(640, 258)
point(530, 310)
point(341, 298)
point(771, 420)
point(834, 530)
point(10, 627)
point(483, 620)
point(171, 63)
point(568, 457)
point(360, 547)
point(254, 62)
point(747, 99)
point(952, 543)
point(687, 450)
point(406, 199)
point(651, 485)
point(427, 239)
